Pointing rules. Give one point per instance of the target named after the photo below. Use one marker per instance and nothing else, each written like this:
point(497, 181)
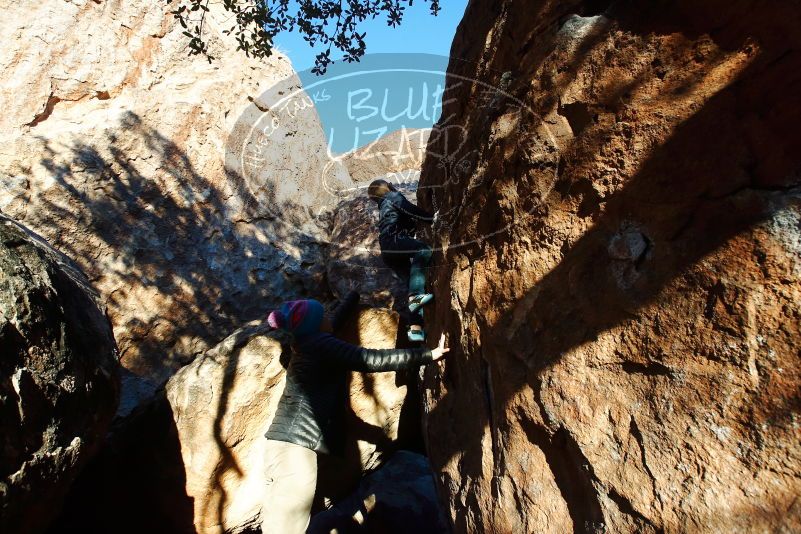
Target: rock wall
point(620, 276)
point(58, 377)
point(128, 155)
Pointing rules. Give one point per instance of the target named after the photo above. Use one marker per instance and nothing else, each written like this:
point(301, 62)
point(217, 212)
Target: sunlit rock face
point(621, 278)
point(397, 157)
point(59, 381)
point(129, 156)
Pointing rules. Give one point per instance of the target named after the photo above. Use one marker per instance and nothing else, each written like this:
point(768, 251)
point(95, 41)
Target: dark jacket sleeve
point(345, 308)
point(344, 355)
point(415, 211)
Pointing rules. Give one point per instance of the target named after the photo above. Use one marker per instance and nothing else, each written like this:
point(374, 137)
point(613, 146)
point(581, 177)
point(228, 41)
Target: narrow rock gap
point(625, 506)
point(635, 431)
point(572, 474)
point(649, 369)
point(45, 114)
point(578, 116)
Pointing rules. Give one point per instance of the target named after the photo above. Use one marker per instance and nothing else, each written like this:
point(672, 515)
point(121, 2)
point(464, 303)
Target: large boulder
point(397, 498)
point(621, 282)
point(58, 377)
point(193, 457)
point(221, 404)
point(130, 155)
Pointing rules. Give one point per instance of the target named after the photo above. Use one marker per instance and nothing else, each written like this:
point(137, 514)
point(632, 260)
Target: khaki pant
point(291, 478)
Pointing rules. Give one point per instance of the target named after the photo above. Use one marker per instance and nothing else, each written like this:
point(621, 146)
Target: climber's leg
point(417, 278)
point(417, 275)
point(291, 478)
point(400, 264)
point(416, 333)
point(397, 254)
point(420, 255)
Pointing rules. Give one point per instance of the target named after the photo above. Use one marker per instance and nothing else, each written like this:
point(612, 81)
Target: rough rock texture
point(193, 457)
point(400, 497)
point(621, 282)
point(114, 149)
point(221, 404)
point(58, 377)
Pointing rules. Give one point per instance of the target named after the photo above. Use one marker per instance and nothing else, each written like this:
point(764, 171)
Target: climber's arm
point(417, 212)
point(342, 354)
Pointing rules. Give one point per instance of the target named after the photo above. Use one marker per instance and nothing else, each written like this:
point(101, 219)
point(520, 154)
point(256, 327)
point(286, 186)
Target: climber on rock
point(316, 391)
point(404, 254)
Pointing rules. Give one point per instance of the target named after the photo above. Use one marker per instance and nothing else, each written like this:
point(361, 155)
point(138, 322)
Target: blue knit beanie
point(301, 317)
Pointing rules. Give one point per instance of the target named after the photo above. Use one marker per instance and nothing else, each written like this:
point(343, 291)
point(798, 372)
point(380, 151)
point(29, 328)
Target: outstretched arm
point(415, 211)
point(342, 354)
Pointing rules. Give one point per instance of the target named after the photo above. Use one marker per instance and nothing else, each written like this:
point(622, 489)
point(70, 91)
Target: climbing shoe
point(416, 336)
point(418, 301)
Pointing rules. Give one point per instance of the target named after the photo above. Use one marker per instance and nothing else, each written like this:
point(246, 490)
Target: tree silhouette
point(334, 24)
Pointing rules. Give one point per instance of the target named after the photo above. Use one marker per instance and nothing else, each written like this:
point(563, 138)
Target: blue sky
point(398, 84)
point(420, 32)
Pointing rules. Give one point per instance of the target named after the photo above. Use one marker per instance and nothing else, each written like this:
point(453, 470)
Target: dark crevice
point(572, 474)
point(649, 245)
point(649, 369)
point(48, 110)
point(625, 506)
point(635, 432)
point(578, 116)
point(596, 7)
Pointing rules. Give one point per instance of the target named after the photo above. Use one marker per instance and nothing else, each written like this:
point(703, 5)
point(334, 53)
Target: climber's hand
point(435, 218)
point(352, 285)
point(440, 351)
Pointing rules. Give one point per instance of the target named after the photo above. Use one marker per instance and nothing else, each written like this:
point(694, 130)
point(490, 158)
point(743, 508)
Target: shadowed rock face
point(124, 153)
point(58, 377)
point(621, 277)
point(397, 498)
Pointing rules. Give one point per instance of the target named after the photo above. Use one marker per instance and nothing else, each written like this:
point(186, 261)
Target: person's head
point(378, 188)
point(300, 317)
